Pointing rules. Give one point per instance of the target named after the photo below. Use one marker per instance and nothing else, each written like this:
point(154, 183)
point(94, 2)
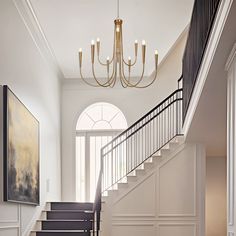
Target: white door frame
point(87, 134)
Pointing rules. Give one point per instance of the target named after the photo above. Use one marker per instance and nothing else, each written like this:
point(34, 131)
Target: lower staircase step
point(72, 206)
point(73, 215)
point(62, 233)
point(66, 225)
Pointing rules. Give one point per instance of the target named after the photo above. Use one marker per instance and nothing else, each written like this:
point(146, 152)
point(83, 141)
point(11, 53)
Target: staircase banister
point(142, 118)
point(139, 128)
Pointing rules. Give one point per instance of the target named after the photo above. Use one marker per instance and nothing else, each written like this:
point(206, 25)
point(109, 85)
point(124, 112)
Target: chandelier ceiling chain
point(115, 67)
point(118, 9)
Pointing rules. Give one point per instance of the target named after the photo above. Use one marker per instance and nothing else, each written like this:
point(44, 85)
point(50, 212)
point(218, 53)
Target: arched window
point(101, 116)
point(96, 126)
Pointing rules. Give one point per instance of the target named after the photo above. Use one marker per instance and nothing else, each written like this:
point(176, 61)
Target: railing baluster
point(135, 145)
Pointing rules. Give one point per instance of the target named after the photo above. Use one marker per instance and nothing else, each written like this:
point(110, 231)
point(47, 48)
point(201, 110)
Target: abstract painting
point(21, 151)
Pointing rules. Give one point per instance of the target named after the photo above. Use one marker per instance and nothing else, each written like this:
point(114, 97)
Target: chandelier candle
point(116, 65)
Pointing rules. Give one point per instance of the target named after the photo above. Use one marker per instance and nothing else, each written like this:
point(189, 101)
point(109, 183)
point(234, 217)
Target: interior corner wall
point(216, 188)
point(134, 103)
point(27, 73)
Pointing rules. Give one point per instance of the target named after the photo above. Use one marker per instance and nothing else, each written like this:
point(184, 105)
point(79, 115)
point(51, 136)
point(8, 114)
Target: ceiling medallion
point(115, 67)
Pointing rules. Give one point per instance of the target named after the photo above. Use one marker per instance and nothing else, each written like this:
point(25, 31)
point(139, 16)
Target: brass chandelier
point(115, 67)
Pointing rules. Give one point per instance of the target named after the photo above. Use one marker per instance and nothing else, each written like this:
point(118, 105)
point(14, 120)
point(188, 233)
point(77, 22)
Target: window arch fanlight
point(101, 116)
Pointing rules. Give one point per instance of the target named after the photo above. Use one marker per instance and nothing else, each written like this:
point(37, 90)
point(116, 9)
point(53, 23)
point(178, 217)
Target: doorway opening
point(97, 125)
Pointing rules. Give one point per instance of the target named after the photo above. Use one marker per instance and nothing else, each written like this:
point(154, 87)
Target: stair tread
point(59, 231)
point(79, 211)
point(73, 202)
point(63, 220)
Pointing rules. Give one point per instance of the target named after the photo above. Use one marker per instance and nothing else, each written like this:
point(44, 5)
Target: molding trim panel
point(181, 172)
point(31, 22)
point(231, 139)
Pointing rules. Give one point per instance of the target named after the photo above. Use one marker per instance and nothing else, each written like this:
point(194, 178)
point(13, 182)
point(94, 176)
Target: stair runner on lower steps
point(65, 219)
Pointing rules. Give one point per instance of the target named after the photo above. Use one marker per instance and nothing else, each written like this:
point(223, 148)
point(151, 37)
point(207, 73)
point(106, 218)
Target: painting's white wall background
point(134, 103)
point(216, 222)
point(27, 73)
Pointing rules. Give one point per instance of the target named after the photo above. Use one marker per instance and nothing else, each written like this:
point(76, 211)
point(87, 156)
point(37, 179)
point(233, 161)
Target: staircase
point(146, 168)
point(137, 149)
point(65, 219)
point(124, 160)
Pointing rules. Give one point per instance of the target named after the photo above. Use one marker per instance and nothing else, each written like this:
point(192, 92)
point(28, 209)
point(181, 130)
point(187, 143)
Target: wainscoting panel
point(10, 231)
point(9, 213)
point(166, 201)
point(133, 229)
point(177, 229)
point(139, 201)
point(177, 185)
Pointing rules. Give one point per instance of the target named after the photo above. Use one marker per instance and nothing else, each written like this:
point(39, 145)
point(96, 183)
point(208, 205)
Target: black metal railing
point(97, 206)
point(134, 146)
point(203, 15)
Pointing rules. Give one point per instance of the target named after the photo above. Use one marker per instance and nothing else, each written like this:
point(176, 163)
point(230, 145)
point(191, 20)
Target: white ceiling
point(71, 24)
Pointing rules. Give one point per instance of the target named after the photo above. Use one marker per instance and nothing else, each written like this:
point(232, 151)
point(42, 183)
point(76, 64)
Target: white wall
point(216, 187)
point(134, 103)
point(167, 201)
point(27, 73)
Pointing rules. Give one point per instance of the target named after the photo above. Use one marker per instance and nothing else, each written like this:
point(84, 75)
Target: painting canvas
point(21, 151)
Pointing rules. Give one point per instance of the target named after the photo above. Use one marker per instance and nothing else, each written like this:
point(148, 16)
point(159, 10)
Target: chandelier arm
point(122, 52)
point(104, 64)
point(154, 79)
point(122, 79)
point(127, 64)
point(93, 85)
point(106, 84)
point(123, 82)
point(127, 81)
point(111, 79)
point(112, 84)
point(113, 56)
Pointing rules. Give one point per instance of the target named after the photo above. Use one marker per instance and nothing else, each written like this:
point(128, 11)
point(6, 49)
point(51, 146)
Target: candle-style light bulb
point(143, 50)
point(98, 46)
point(129, 60)
point(92, 42)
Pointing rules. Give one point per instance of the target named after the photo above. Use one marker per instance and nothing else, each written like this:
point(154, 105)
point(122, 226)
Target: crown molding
point(31, 22)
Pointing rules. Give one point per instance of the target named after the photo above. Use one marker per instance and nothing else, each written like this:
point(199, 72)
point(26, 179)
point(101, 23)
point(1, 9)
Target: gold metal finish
point(116, 65)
